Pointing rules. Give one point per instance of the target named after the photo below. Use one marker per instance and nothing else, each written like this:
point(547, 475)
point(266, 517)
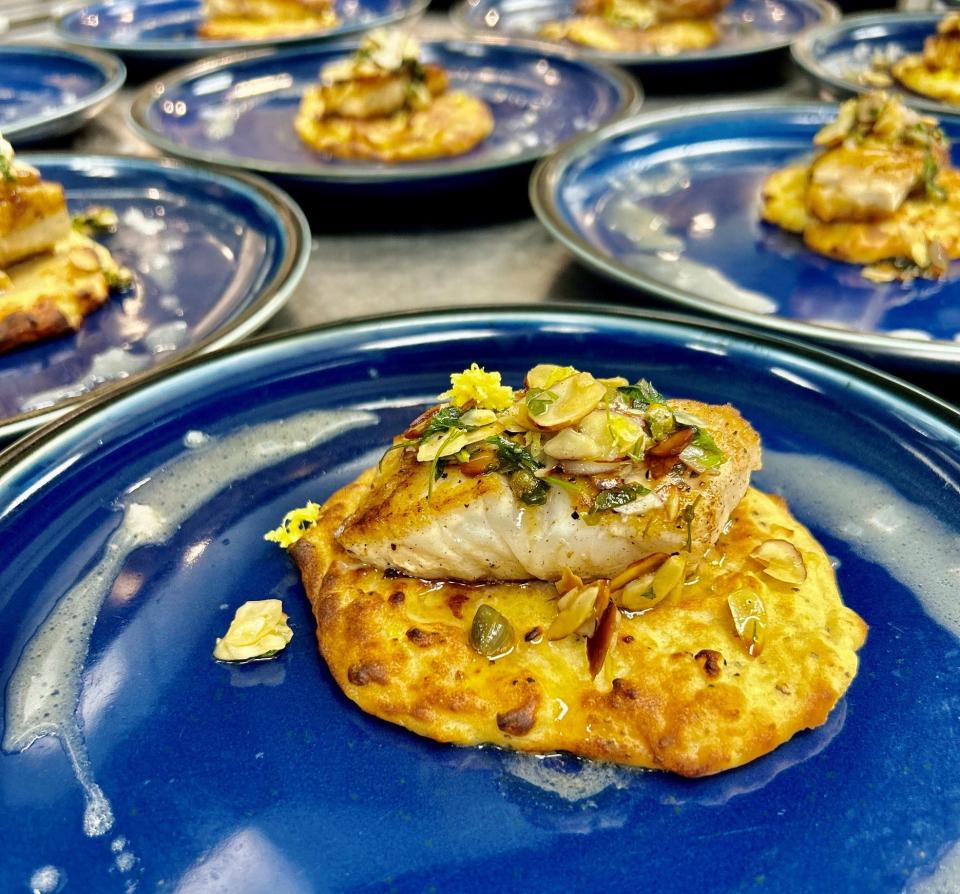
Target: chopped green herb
point(96, 220)
point(512, 456)
point(641, 395)
point(436, 467)
point(930, 171)
point(702, 453)
point(443, 420)
point(569, 486)
point(617, 496)
point(689, 512)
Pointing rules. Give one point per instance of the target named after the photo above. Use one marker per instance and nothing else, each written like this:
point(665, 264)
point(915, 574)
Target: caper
point(491, 633)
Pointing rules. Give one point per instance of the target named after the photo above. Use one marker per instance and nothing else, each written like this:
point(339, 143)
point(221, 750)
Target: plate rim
point(631, 99)
point(829, 13)
point(542, 197)
point(194, 48)
point(269, 299)
point(861, 376)
point(112, 68)
point(803, 56)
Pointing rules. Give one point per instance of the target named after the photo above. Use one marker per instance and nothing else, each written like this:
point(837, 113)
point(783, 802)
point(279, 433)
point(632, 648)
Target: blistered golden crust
point(942, 84)
point(49, 295)
point(246, 19)
point(664, 39)
point(677, 692)
point(451, 124)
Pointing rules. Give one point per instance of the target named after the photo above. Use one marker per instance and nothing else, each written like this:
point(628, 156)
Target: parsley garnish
point(930, 170)
point(443, 420)
point(641, 395)
point(512, 456)
point(617, 496)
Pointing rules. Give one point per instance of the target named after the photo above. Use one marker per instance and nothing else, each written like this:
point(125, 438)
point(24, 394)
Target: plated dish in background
point(265, 19)
point(653, 37)
point(51, 91)
point(211, 259)
point(170, 30)
point(672, 203)
point(382, 103)
point(241, 112)
point(902, 52)
point(196, 466)
point(52, 273)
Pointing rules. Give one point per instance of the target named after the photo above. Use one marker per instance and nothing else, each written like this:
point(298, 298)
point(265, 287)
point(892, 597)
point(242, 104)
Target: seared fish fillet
point(33, 216)
point(476, 528)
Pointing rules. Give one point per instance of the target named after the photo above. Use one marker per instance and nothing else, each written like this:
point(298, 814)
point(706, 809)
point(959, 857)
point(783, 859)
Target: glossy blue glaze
point(835, 54)
point(50, 91)
point(748, 28)
point(265, 778)
point(537, 99)
point(699, 175)
point(212, 258)
point(167, 30)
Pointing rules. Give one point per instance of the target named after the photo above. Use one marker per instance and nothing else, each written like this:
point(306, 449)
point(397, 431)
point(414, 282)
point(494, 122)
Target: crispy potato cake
point(49, 294)
point(915, 75)
point(663, 39)
point(246, 19)
point(453, 123)
point(677, 689)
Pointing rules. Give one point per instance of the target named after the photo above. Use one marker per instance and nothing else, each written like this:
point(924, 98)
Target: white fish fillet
point(474, 529)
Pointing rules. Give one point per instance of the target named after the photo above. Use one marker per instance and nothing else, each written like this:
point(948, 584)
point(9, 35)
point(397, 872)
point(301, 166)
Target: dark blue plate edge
point(41, 126)
point(829, 14)
point(201, 48)
point(542, 196)
point(879, 386)
point(631, 98)
point(803, 56)
point(271, 298)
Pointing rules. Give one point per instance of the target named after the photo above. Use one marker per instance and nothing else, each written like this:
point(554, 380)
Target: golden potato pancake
point(50, 294)
point(452, 123)
point(942, 84)
point(784, 198)
point(663, 39)
point(677, 690)
point(253, 19)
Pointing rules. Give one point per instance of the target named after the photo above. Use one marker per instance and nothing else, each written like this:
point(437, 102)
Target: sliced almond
point(598, 645)
point(544, 375)
point(575, 608)
point(572, 444)
point(576, 396)
point(673, 445)
point(749, 619)
point(637, 596)
point(568, 581)
point(781, 560)
point(447, 443)
point(669, 577)
point(646, 565)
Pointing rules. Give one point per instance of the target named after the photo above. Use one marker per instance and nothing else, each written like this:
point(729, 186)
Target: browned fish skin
point(476, 528)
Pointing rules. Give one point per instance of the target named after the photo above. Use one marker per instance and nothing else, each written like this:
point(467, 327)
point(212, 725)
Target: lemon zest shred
point(259, 629)
point(482, 387)
point(294, 525)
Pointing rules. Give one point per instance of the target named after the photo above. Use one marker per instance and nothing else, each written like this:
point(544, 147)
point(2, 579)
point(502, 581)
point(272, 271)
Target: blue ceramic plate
point(166, 30)
point(749, 28)
point(669, 203)
point(263, 777)
point(836, 55)
point(239, 112)
point(213, 259)
point(50, 91)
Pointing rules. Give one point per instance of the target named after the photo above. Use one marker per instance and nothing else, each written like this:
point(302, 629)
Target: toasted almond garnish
point(568, 581)
point(574, 609)
point(575, 397)
point(749, 618)
point(673, 445)
point(781, 560)
point(598, 645)
point(647, 564)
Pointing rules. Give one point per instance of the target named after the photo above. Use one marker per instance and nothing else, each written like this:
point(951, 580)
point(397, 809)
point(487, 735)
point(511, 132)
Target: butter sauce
point(43, 695)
